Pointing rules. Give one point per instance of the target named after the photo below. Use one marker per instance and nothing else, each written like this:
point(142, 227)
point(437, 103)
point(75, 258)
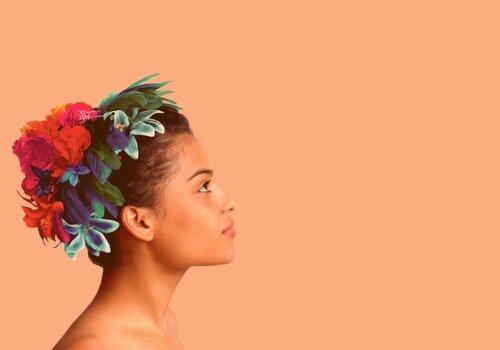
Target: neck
point(140, 292)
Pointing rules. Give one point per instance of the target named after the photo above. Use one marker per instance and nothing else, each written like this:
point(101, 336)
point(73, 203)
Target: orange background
point(358, 139)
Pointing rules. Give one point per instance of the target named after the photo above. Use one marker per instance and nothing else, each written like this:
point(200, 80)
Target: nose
point(231, 204)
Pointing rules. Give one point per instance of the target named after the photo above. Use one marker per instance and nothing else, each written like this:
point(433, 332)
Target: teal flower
point(71, 173)
point(90, 234)
point(136, 124)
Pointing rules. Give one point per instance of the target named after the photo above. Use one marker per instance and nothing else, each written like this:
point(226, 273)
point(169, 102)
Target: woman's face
point(195, 212)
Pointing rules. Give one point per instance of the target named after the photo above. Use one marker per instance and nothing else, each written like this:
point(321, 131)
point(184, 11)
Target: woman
point(175, 216)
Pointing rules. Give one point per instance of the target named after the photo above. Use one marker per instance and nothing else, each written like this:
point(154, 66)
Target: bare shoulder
point(117, 339)
point(81, 343)
point(137, 341)
point(92, 330)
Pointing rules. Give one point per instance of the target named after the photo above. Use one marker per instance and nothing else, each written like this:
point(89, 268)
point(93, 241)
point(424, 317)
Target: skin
point(131, 307)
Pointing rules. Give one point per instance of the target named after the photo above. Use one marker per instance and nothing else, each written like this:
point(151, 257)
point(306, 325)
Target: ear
point(139, 221)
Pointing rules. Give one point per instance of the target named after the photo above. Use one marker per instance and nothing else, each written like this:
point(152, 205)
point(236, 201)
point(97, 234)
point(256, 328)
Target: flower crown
point(68, 157)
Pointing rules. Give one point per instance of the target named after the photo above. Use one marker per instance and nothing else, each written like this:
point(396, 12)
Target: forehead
point(192, 156)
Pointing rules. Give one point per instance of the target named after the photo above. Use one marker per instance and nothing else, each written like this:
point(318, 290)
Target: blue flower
point(71, 173)
point(91, 234)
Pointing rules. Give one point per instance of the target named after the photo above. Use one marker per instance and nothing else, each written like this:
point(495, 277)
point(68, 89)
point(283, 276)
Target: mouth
point(230, 229)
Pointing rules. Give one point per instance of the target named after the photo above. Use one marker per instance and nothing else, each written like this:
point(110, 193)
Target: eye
point(204, 185)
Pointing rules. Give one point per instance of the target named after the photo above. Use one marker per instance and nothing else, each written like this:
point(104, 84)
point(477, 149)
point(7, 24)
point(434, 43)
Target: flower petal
point(67, 174)
point(111, 208)
point(73, 179)
point(61, 232)
point(75, 245)
point(93, 251)
point(117, 139)
point(72, 256)
point(144, 115)
point(104, 225)
point(132, 149)
point(120, 118)
point(75, 211)
point(141, 128)
point(159, 128)
point(97, 240)
point(34, 214)
point(72, 229)
point(82, 170)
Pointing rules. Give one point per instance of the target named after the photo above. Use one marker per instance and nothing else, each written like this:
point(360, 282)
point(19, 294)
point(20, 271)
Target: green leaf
point(106, 171)
point(107, 155)
point(107, 191)
point(98, 208)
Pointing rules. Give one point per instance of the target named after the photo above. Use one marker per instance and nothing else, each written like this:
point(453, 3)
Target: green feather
point(130, 99)
point(140, 81)
point(106, 101)
point(163, 92)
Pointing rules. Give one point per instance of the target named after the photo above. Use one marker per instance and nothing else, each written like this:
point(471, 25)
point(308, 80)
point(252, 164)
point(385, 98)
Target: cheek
point(191, 230)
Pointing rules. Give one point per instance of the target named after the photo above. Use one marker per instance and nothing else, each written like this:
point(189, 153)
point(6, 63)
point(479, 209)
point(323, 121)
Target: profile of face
point(187, 227)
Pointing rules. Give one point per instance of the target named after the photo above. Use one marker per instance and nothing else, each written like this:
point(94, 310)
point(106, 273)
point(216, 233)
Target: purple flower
point(116, 138)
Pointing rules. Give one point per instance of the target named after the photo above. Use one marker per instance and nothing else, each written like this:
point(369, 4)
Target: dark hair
point(142, 180)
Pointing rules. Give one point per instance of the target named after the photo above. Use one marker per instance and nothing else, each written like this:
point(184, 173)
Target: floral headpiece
point(68, 157)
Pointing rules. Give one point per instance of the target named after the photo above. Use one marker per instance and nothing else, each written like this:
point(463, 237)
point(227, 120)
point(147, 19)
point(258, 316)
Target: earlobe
point(137, 221)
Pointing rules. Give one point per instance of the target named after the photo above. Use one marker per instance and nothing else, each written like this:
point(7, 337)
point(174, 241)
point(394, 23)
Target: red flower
point(70, 142)
point(46, 217)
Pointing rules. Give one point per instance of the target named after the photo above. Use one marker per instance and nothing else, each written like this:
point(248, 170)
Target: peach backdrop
point(359, 140)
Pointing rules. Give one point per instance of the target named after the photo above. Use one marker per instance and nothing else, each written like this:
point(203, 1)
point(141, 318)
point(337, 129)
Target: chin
point(229, 258)
point(221, 259)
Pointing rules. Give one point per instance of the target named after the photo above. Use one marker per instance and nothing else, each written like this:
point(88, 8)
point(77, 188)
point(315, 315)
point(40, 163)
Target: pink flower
point(35, 149)
point(77, 113)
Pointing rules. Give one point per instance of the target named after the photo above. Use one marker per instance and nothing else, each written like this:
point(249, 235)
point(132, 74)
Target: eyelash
point(206, 183)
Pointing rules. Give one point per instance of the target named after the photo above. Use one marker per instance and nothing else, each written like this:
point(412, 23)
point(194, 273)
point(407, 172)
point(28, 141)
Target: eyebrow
point(201, 171)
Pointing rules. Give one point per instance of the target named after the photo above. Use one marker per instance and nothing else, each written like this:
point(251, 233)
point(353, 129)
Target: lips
point(231, 224)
